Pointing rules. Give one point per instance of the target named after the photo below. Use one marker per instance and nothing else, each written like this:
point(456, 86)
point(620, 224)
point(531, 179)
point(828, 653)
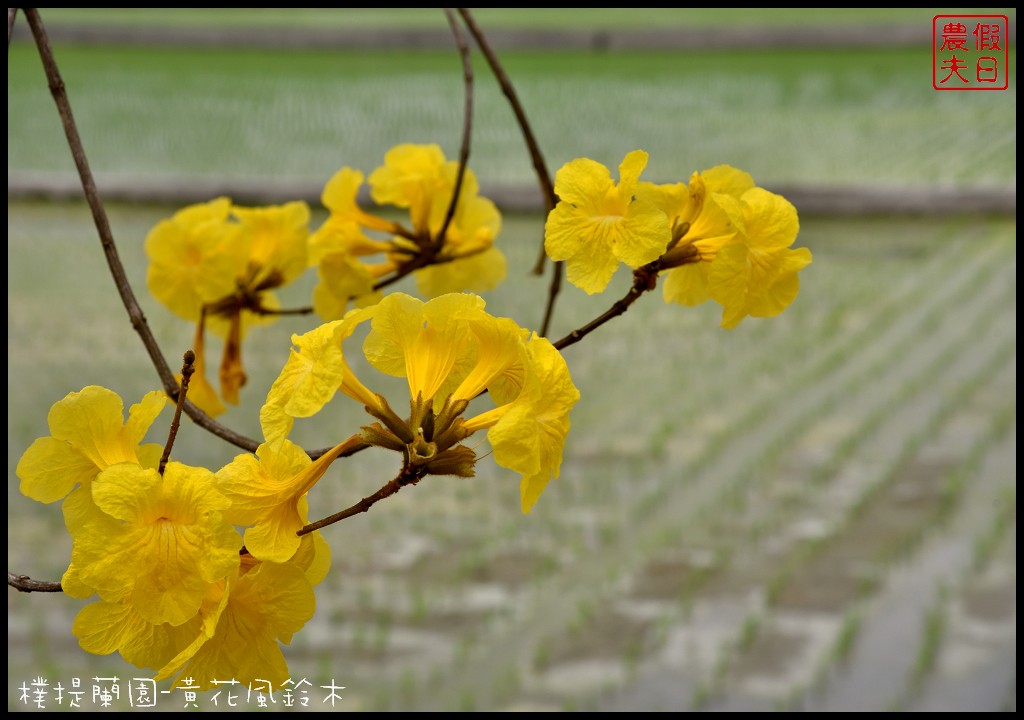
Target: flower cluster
point(721, 238)
point(450, 351)
point(218, 264)
point(159, 549)
point(417, 179)
point(204, 574)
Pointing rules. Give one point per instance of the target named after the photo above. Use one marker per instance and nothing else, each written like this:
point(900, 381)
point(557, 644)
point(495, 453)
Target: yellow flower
point(701, 225)
point(530, 436)
point(217, 265)
point(104, 627)
point(597, 223)
point(733, 245)
point(312, 375)
point(263, 605)
point(756, 273)
point(87, 435)
point(416, 178)
point(194, 257)
point(450, 351)
point(268, 495)
point(161, 542)
point(410, 178)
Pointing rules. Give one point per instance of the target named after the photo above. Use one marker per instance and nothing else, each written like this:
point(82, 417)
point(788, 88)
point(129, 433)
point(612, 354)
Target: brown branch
point(553, 290)
point(547, 187)
point(11, 14)
point(23, 583)
point(409, 476)
point(543, 176)
point(286, 311)
point(188, 367)
point(467, 126)
point(644, 280)
point(100, 220)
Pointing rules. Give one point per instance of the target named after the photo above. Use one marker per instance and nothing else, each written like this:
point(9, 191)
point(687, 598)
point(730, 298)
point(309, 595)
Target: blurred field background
point(812, 512)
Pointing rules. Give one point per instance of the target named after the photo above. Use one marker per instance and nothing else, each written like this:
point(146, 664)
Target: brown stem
point(188, 367)
point(644, 280)
point(409, 476)
point(543, 176)
point(553, 290)
point(547, 187)
point(99, 216)
point(284, 311)
point(23, 583)
point(11, 14)
point(467, 126)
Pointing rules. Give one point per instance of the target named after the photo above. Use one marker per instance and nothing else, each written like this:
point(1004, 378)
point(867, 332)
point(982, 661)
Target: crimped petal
point(591, 272)
point(583, 182)
point(278, 235)
point(629, 172)
point(142, 414)
point(172, 544)
point(92, 421)
point(530, 437)
point(643, 235)
point(103, 628)
point(266, 603)
point(727, 180)
point(566, 231)
point(51, 468)
point(687, 285)
point(771, 220)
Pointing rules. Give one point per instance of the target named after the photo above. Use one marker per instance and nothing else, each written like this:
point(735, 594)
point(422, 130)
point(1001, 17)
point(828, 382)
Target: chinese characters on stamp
point(970, 52)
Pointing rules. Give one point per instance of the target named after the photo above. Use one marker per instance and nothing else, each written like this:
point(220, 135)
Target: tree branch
point(23, 583)
point(11, 14)
point(547, 187)
point(409, 476)
point(188, 367)
point(644, 280)
point(467, 126)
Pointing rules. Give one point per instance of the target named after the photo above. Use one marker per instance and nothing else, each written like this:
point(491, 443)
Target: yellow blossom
point(732, 245)
point(530, 436)
point(597, 223)
point(756, 273)
point(263, 605)
point(410, 178)
point(105, 627)
point(450, 351)
point(313, 373)
point(217, 265)
point(416, 178)
point(87, 435)
point(161, 542)
point(267, 493)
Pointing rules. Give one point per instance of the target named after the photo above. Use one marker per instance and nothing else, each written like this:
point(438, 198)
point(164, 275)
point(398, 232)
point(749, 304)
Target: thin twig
point(644, 280)
point(467, 125)
point(283, 311)
point(23, 583)
point(99, 216)
point(547, 186)
point(540, 167)
point(11, 14)
point(406, 477)
point(553, 289)
point(188, 367)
